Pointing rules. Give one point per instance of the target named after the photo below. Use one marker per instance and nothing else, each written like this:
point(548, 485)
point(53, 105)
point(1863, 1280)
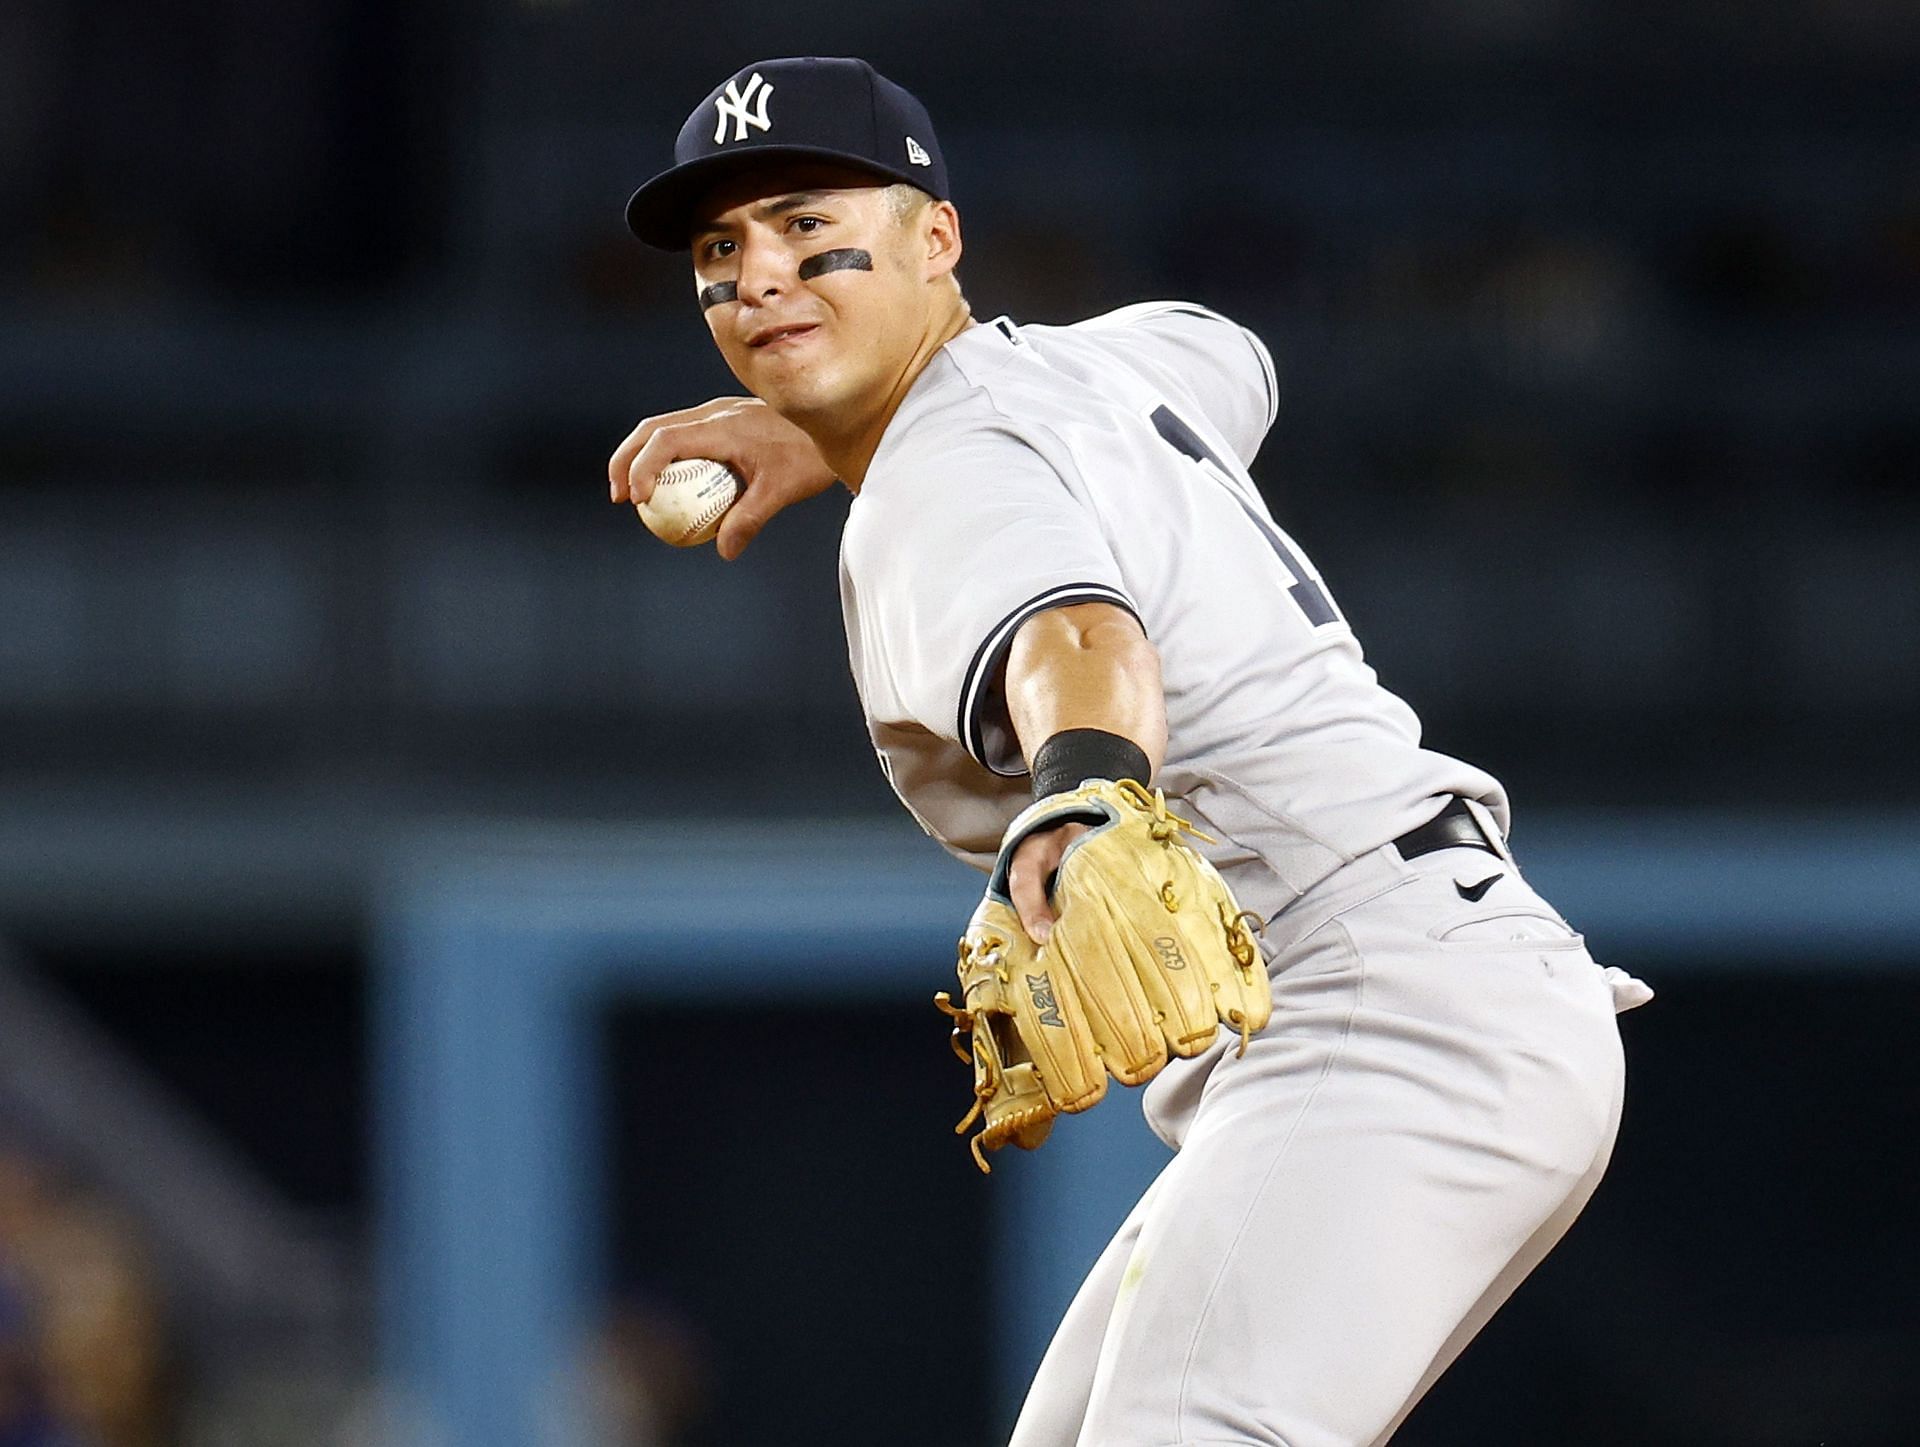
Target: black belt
point(1454, 827)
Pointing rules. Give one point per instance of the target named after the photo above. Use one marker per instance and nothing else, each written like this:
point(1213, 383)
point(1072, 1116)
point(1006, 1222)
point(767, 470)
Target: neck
point(849, 450)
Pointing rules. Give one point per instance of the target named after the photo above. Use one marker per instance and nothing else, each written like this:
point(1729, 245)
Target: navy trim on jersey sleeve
point(991, 655)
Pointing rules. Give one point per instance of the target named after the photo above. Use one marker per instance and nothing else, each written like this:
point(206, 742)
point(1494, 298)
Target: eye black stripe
point(843, 258)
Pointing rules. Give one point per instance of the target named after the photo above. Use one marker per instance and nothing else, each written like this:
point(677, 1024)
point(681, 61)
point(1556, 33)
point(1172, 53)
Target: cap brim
point(660, 213)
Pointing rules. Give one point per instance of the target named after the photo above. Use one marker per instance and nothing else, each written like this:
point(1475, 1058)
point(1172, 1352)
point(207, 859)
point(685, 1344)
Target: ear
point(940, 228)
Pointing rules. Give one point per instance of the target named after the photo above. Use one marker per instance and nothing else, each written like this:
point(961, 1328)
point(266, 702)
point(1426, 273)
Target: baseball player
point(1070, 615)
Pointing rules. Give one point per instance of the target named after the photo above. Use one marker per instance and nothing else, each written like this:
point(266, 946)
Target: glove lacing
point(987, 1070)
point(1165, 826)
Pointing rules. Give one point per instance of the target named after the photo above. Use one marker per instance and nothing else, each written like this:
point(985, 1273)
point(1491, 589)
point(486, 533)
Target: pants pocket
point(1524, 926)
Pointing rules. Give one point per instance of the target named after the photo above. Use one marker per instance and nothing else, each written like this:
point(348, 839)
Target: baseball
point(689, 500)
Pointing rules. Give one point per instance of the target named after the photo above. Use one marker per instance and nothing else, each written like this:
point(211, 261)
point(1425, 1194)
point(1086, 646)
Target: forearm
point(1088, 666)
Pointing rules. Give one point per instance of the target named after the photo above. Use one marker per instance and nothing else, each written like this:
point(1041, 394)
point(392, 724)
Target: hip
point(1458, 918)
point(1442, 978)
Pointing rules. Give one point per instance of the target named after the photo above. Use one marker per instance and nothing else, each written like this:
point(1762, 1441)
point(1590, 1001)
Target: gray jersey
point(1033, 467)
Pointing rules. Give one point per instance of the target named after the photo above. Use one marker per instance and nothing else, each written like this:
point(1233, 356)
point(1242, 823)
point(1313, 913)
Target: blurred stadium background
point(340, 715)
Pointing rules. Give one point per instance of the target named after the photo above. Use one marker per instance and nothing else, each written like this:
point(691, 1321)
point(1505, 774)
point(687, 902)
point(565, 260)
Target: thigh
point(1351, 1189)
point(1543, 1240)
point(1056, 1403)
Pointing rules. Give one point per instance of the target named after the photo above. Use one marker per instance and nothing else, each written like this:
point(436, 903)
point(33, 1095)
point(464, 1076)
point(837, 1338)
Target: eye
point(807, 225)
point(716, 250)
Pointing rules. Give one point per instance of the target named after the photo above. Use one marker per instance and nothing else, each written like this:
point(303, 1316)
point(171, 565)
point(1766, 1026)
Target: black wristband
point(1073, 756)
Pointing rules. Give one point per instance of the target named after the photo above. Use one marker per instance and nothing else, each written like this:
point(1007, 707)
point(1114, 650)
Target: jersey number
point(1306, 590)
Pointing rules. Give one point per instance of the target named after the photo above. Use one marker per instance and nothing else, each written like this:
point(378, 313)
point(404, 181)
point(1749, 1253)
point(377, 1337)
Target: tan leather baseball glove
point(1150, 955)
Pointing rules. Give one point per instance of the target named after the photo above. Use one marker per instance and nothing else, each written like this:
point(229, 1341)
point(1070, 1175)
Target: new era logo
point(917, 153)
point(746, 107)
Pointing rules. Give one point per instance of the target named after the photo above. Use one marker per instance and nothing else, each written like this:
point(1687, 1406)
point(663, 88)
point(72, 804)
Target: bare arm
point(1088, 666)
point(776, 460)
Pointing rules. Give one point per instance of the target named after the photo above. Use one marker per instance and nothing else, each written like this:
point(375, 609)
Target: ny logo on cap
point(735, 103)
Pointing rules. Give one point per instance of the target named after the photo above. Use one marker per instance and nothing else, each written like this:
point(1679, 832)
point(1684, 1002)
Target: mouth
point(776, 336)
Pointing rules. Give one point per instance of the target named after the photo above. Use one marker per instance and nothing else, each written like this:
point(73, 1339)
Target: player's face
point(815, 290)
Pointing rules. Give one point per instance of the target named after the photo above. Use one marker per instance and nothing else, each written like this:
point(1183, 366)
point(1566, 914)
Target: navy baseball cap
point(801, 108)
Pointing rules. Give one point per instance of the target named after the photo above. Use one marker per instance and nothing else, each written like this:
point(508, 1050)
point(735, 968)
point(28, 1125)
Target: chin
point(800, 396)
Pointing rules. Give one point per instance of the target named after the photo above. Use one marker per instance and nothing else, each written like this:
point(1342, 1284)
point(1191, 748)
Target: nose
point(766, 271)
